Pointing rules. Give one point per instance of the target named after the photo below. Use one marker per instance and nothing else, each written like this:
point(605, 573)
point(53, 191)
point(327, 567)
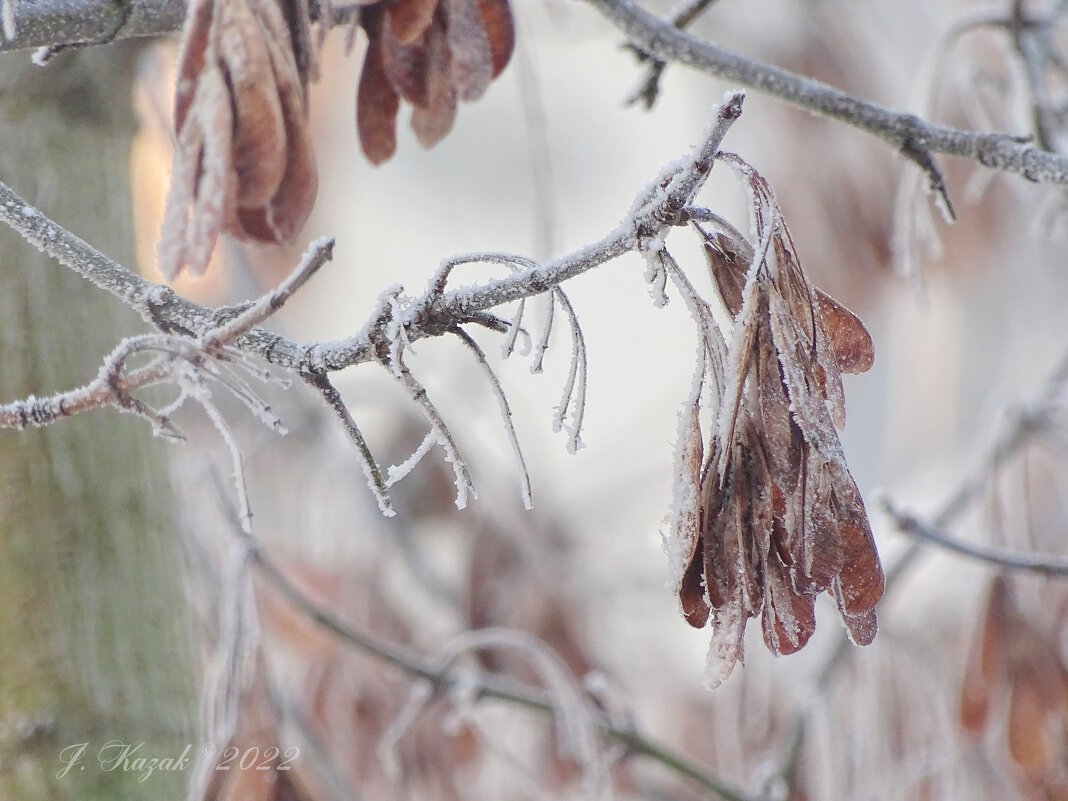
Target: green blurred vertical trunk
point(94, 643)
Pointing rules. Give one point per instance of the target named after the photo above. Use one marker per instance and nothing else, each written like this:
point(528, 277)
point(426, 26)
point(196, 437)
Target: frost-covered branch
point(912, 136)
point(1045, 564)
point(55, 24)
point(58, 23)
point(433, 314)
point(178, 358)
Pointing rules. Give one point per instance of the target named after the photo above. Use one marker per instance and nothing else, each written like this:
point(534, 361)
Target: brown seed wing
point(853, 348)
point(191, 61)
point(259, 149)
point(280, 219)
point(500, 31)
point(789, 618)
point(471, 61)
point(377, 104)
point(862, 628)
point(409, 19)
point(988, 662)
point(1029, 740)
point(692, 590)
point(727, 648)
point(213, 198)
point(728, 261)
point(718, 545)
point(406, 65)
point(434, 120)
point(861, 577)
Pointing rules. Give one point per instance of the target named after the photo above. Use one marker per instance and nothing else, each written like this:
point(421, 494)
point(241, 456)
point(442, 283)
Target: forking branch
point(51, 23)
point(199, 337)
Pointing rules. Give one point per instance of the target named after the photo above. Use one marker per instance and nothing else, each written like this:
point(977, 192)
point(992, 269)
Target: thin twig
point(431, 315)
point(486, 686)
point(575, 385)
point(1044, 564)
point(321, 383)
point(649, 90)
point(318, 253)
point(417, 392)
point(506, 415)
point(907, 133)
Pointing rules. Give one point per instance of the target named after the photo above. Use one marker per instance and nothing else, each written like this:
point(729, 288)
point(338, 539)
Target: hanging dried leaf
point(434, 120)
point(500, 31)
point(781, 519)
point(243, 162)
point(469, 49)
point(431, 53)
point(377, 103)
point(409, 19)
point(1016, 684)
point(406, 66)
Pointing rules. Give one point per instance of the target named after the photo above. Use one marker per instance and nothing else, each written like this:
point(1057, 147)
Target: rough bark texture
point(94, 643)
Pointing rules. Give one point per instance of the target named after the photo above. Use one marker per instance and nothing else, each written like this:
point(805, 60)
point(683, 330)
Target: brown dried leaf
point(377, 104)
point(409, 19)
point(789, 618)
point(1029, 744)
point(213, 199)
point(434, 120)
point(258, 150)
point(729, 258)
point(500, 31)
point(727, 647)
point(471, 62)
point(195, 37)
point(686, 528)
point(853, 348)
point(406, 66)
point(692, 594)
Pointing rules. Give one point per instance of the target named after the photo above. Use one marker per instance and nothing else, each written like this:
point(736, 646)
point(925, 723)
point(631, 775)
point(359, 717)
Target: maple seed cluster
point(243, 161)
point(430, 53)
point(778, 517)
point(1015, 689)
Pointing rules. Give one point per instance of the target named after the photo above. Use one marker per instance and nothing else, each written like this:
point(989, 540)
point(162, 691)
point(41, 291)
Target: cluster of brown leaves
point(243, 160)
point(778, 517)
point(429, 53)
point(1016, 684)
